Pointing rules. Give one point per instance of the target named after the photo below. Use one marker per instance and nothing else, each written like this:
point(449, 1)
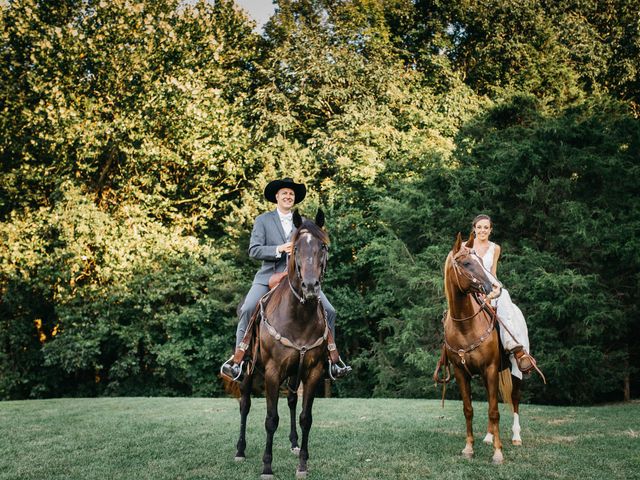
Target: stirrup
point(524, 357)
point(534, 366)
point(230, 363)
point(341, 365)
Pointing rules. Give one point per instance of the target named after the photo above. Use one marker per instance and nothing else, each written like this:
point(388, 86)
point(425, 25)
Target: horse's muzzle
point(310, 292)
point(496, 291)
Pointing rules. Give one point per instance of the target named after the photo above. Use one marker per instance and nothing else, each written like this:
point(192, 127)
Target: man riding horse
point(270, 243)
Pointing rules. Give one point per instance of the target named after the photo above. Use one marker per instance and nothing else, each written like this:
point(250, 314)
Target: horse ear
point(470, 241)
point(320, 218)
point(458, 244)
point(297, 219)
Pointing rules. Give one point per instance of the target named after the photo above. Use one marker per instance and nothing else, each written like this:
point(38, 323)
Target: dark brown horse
point(472, 343)
point(291, 340)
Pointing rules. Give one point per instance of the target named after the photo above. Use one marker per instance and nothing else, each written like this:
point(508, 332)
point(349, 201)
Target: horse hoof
point(516, 442)
point(300, 474)
point(296, 451)
point(467, 453)
point(488, 439)
point(497, 458)
point(239, 459)
point(266, 476)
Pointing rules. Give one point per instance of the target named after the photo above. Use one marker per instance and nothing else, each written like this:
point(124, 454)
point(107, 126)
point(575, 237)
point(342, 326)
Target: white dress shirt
point(286, 219)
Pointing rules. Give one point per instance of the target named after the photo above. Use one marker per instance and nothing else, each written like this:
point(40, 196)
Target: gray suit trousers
point(250, 304)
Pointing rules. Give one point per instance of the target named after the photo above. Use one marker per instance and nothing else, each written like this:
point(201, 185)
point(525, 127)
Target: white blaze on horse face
point(309, 238)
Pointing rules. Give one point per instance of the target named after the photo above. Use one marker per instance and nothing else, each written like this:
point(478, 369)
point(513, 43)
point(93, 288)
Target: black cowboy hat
point(273, 186)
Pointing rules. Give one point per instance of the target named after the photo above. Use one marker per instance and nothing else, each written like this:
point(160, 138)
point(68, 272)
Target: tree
point(123, 136)
point(566, 219)
point(96, 303)
point(138, 102)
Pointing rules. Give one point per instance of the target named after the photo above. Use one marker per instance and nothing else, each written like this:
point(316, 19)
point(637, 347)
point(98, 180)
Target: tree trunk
point(627, 387)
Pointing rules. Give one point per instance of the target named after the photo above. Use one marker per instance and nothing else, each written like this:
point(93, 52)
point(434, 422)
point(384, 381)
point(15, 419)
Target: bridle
point(459, 270)
point(324, 248)
point(485, 307)
point(303, 349)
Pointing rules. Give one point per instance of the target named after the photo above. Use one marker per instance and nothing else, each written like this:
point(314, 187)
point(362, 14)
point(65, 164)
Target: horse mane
point(447, 262)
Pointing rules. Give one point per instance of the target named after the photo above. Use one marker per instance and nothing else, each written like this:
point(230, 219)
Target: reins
point(295, 294)
point(464, 319)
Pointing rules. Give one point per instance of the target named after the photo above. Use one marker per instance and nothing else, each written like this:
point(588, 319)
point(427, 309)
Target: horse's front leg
point(272, 385)
point(491, 382)
point(306, 417)
point(245, 406)
point(464, 383)
point(488, 439)
point(292, 401)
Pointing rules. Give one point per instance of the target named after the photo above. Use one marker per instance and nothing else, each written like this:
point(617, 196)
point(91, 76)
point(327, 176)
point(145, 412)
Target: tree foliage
point(137, 137)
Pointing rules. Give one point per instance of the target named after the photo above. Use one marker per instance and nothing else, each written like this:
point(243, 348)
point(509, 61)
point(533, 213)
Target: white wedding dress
point(510, 315)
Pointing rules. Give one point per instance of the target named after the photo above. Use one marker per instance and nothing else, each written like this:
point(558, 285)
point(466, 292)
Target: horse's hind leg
point(306, 417)
point(292, 401)
point(516, 395)
point(245, 406)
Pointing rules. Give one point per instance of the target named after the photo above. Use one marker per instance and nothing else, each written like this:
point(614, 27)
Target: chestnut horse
point(291, 341)
point(472, 343)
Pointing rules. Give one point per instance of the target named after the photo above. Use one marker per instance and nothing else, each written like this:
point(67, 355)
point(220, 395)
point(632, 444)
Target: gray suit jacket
point(266, 235)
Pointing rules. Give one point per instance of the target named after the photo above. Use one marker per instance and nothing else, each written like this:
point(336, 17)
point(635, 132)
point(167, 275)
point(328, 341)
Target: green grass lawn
point(194, 438)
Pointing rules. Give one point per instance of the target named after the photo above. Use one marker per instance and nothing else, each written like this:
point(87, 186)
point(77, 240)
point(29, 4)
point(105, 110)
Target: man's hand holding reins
point(285, 248)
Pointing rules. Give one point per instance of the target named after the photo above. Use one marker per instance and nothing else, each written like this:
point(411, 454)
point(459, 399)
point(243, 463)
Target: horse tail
point(230, 387)
point(505, 386)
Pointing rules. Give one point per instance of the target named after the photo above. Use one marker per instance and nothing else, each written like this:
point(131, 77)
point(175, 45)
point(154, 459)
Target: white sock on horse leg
point(516, 428)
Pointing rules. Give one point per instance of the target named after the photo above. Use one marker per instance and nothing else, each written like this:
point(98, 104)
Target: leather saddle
point(275, 279)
